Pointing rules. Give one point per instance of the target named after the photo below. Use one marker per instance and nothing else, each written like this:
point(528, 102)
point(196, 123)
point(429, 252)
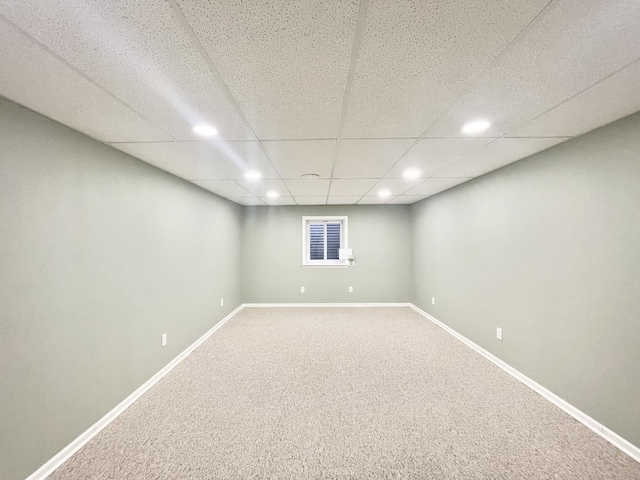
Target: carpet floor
point(342, 393)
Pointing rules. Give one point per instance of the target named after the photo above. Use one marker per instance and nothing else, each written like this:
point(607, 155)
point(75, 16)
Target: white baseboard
point(269, 305)
point(610, 436)
point(63, 455)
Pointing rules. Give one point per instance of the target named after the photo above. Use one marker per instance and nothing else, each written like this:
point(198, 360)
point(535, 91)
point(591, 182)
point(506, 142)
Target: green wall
point(548, 249)
point(272, 256)
point(100, 254)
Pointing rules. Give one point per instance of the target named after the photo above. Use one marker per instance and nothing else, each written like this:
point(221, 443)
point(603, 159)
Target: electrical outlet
point(499, 333)
point(433, 300)
point(163, 340)
point(301, 289)
point(222, 302)
point(350, 289)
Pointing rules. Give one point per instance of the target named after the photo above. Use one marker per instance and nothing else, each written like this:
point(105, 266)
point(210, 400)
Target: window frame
point(306, 244)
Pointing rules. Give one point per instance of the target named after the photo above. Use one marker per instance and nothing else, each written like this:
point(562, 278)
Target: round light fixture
point(253, 175)
point(411, 173)
point(310, 176)
point(205, 130)
point(272, 194)
point(384, 193)
point(476, 126)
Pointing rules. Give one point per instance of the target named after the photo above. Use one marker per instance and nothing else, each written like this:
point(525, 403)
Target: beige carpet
point(342, 393)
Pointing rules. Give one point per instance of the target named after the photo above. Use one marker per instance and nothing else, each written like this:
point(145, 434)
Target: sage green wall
point(99, 255)
point(548, 249)
point(272, 256)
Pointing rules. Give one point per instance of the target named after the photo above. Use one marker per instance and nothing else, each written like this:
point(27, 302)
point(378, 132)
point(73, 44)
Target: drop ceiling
point(356, 92)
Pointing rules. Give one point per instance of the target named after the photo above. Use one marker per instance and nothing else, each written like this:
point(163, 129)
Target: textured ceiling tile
point(174, 158)
point(343, 200)
point(416, 57)
point(261, 187)
point(203, 160)
point(573, 45)
point(308, 188)
point(407, 199)
point(278, 200)
point(247, 201)
point(436, 185)
point(311, 200)
point(396, 186)
point(138, 51)
point(286, 62)
point(224, 188)
point(373, 200)
point(66, 96)
point(611, 99)
point(368, 158)
point(498, 154)
point(295, 158)
point(431, 155)
point(345, 188)
point(235, 159)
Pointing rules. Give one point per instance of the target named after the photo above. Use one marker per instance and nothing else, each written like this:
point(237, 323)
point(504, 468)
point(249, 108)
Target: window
point(322, 239)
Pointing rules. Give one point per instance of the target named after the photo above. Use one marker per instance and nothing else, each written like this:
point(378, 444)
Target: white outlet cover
point(350, 289)
point(499, 333)
point(301, 289)
point(222, 302)
point(433, 300)
point(163, 339)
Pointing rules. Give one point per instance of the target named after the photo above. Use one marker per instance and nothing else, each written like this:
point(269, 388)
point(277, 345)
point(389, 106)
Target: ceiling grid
point(338, 88)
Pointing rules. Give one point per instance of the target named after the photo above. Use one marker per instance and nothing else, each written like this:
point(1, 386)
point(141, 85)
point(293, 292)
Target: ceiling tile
point(436, 185)
point(396, 186)
point(141, 53)
point(571, 46)
point(66, 96)
point(247, 201)
point(416, 57)
point(224, 188)
point(345, 188)
point(498, 154)
point(286, 63)
point(261, 187)
point(431, 155)
point(203, 160)
point(343, 200)
point(174, 158)
point(373, 200)
point(295, 158)
point(308, 188)
point(609, 100)
point(311, 200)
point(233, 158)
point(407, 199)
point(368, 158)
point(278, 200)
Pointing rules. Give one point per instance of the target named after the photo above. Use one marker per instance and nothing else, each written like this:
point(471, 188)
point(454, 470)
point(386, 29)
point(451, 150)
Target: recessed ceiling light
point(205, 130)
point(411, 173)
point(384, 193)
point(253, 175)
point(272, 194)
point(310, 176)
point(476, 126)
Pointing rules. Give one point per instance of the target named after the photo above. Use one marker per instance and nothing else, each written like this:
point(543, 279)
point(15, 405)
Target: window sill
point(325, 266)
